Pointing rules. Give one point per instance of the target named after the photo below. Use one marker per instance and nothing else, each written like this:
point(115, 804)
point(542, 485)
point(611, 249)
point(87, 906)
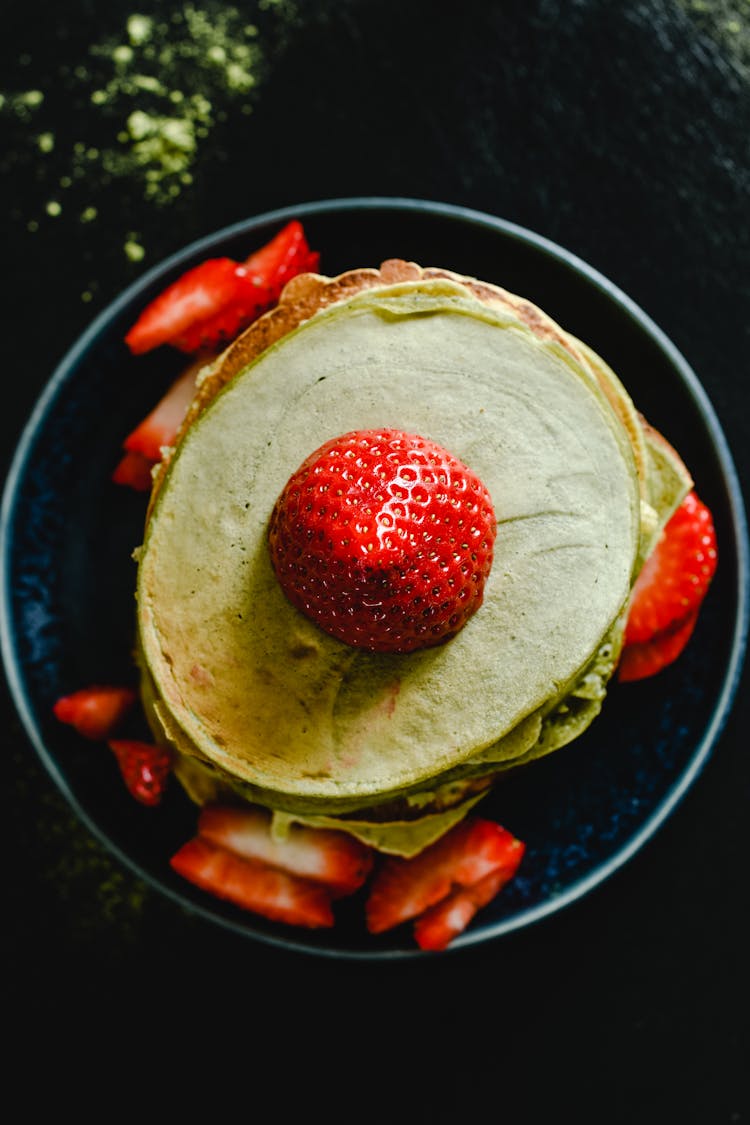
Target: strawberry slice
point(646, 658)
point(404, 888)
point(160, 426)
point(260, 281)
point(675, 578)
point(440, 924)
point(95, 711)
point(322, 855)
point(134, 471)
point(253, 885)
point(281, 259)
point(218, 285)
point(145, 768)
point(210, 303)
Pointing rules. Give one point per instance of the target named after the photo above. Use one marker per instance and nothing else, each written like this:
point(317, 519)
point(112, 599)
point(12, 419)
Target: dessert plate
point(68, 577)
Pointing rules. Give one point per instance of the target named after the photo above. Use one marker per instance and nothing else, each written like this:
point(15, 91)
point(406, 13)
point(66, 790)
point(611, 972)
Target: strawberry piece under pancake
point(404, 888)
point(325, 856)
point(675, 577)
point(254, 886)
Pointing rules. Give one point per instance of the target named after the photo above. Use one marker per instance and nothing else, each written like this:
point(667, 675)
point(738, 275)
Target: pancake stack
point(256, 701)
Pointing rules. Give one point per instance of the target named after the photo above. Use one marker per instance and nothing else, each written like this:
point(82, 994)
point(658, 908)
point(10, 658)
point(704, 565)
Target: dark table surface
point(620, 131)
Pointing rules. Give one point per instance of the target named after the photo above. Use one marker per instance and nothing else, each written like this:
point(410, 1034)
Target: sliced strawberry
point(676, 576)
point(95, 711)
point(195, 298)
point(646, 658)
point(254, 886)
point(281, 259)
point(405, 888)
point(210, 303)
point(159, 428)
point(134, 471)
point(440, 924)
point(323, 855)
point(264, 274)
point(244, 299)
point(145, 768)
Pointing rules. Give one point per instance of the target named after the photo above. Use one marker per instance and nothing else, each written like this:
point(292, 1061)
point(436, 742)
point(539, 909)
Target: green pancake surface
point(259, 691)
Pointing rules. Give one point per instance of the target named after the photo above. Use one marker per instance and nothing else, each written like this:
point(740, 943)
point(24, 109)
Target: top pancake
point(251, 684)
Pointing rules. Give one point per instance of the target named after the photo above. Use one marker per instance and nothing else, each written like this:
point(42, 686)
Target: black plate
point(68, 577)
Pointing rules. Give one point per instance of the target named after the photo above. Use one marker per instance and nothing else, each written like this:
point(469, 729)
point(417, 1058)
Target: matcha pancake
point(245, 683)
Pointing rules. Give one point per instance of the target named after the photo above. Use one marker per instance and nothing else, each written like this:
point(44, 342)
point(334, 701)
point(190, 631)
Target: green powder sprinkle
point(139, 29)
point(165, 83)
point(90, 894)
point(727, 23)
point(23, 105)
point(145, 101)
point(133, 249)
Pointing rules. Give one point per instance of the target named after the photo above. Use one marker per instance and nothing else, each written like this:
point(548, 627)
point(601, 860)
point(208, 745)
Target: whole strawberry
point(385, 540)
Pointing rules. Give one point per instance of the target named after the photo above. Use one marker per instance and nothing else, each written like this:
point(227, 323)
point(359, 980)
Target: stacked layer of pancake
point(256, 701)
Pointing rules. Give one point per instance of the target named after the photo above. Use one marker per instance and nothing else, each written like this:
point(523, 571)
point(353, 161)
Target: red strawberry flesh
point(645, 658)
point(676, 576)
point(405, 888)
point(322, 855)
point(160, 426)
point(145, 768)
point(133, 470)
point(195, 297)
point(254, 886)
point(436, 928)
point(281, 259)
point(384, 539)
point(95, 711)
point(209, 304)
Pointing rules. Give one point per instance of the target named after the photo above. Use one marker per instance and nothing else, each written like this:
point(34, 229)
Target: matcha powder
point(145, 100)
point(170, 83)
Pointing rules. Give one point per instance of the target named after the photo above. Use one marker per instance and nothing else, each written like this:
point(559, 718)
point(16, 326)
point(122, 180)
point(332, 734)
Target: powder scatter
point(165, 84)
point(53, 208)
point(727, 23)
point(146, 99)
point(22, 105)
point(139, 28)
point(89, 894)
point(122, 55)
point(133, 248)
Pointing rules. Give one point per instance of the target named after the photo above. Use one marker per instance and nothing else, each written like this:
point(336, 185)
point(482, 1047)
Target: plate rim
point(201, 246)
